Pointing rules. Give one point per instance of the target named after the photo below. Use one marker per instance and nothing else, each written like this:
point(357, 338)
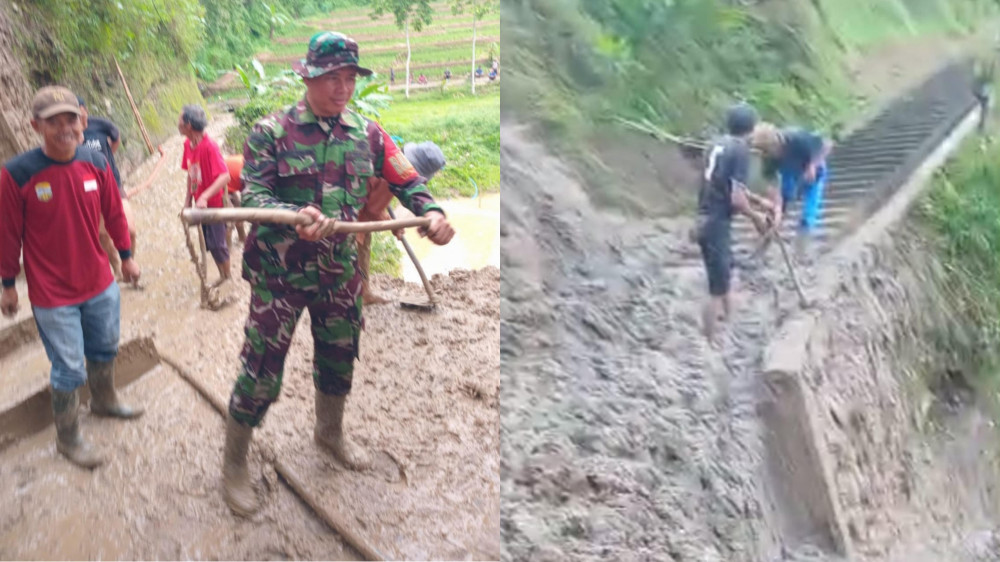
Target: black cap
point(741, 119)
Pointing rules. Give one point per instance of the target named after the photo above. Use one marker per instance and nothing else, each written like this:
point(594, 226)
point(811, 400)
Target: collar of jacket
point(304, 115)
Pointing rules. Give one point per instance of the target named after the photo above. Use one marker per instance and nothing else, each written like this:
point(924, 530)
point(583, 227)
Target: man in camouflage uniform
point(315, 158)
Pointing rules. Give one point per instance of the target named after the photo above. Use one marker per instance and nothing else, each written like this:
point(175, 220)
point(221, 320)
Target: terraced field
point(445, 43)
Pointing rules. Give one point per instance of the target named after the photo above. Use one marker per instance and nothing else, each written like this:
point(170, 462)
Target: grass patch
point(387, 258)
point(959, 218)
point(466, 127)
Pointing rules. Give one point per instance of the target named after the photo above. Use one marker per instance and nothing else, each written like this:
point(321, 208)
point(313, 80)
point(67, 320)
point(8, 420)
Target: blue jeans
point(812, 193)
point(71, 333)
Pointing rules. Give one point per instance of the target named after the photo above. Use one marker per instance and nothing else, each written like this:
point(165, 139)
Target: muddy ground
point(425, 400)
point(625, 437)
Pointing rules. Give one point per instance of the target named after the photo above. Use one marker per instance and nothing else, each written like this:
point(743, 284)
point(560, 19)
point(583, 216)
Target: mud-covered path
point(425, 400)
point(618, 423)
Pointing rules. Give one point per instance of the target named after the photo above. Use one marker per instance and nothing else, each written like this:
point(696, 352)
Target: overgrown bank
point(959, 219)
point(580, 67)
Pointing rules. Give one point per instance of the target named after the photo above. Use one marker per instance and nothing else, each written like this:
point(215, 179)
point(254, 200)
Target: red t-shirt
point(54, 209)
point(204, 164)
point(235, 165)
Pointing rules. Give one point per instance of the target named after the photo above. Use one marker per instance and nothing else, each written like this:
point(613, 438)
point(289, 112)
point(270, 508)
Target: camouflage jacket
point(294, 159)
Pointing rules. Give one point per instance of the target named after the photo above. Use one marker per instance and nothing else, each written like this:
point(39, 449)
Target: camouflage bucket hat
point(329, 51)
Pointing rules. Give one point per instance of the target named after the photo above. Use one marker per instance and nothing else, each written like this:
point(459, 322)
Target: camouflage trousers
point(335, 316)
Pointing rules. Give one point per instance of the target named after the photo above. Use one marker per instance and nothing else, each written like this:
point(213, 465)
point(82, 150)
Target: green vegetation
point(960, 216)
point(76, 44)
point(466, 128)
point(587, 66)
point(676, 64)
point(386, 256)
point(236, 29)
point(164, 46)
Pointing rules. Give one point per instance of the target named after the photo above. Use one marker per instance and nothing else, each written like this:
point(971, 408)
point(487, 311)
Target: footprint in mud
point(384, 466)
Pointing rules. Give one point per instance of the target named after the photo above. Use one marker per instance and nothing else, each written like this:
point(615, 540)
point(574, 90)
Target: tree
point(276, 17)
point(478, 9)
point(415, 13)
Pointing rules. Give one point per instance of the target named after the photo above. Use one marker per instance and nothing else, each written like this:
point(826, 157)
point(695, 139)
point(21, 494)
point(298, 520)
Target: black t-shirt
point(801, 147)
point(96, 136)
point(726, 160)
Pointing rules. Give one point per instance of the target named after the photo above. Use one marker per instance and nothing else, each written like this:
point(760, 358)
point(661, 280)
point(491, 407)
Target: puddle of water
point(476, 243)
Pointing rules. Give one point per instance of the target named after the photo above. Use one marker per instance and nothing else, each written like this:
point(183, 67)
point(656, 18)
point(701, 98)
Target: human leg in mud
point(216, 243)
point(723, 194)
point(270, 326)
point(427, 159)
point(209, 175)
point(812, 203)
point(76, 310)
point(716, 252)
point(292, 268)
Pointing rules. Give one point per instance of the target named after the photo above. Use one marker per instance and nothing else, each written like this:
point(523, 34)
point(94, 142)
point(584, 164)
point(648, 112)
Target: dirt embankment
point(624, 437)
point(910, 446)
point(16, 134)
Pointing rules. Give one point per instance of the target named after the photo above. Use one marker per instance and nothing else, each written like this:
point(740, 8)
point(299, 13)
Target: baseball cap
point(53, 100)
point(329, 51)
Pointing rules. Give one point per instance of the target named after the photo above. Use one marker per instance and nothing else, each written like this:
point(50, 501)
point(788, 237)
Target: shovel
point(803, 301)
point(431, 303)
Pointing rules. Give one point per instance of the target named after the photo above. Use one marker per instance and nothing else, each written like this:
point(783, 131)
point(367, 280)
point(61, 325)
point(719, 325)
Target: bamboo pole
point(135, 110)
point(330, 517)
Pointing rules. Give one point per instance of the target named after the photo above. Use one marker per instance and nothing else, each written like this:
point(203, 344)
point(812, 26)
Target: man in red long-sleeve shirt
point(52, 200)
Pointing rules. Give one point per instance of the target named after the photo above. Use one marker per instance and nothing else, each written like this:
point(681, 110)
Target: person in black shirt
point(724, 193)
point(103, 136)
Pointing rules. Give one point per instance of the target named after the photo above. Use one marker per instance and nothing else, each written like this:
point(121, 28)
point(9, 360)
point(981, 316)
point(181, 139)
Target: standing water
point(476, 243)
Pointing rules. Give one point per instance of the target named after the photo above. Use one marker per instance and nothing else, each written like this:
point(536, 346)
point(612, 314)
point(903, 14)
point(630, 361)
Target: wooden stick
point(135, 110)
point(331, 518)
point(282, 216)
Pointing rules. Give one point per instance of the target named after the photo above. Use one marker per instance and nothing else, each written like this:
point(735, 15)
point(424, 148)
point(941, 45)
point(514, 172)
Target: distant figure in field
point(479, 72)
point(447, 74)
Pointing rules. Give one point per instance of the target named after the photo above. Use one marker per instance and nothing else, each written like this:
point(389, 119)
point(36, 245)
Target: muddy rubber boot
point(236, 486)
point(69, 441)
point(104, 398)
point(329, 432)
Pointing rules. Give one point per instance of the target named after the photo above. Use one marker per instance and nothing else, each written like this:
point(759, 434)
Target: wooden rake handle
point(282, 216)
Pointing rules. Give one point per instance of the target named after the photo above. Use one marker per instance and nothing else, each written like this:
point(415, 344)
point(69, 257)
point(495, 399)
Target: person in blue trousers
point(794, 159)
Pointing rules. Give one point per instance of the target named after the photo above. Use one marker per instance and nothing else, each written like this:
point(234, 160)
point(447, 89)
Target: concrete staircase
point(866, 167)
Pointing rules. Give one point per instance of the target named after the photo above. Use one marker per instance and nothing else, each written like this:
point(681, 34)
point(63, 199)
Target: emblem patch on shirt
point(404, 170)
point(44, 191)
point(89, 184)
